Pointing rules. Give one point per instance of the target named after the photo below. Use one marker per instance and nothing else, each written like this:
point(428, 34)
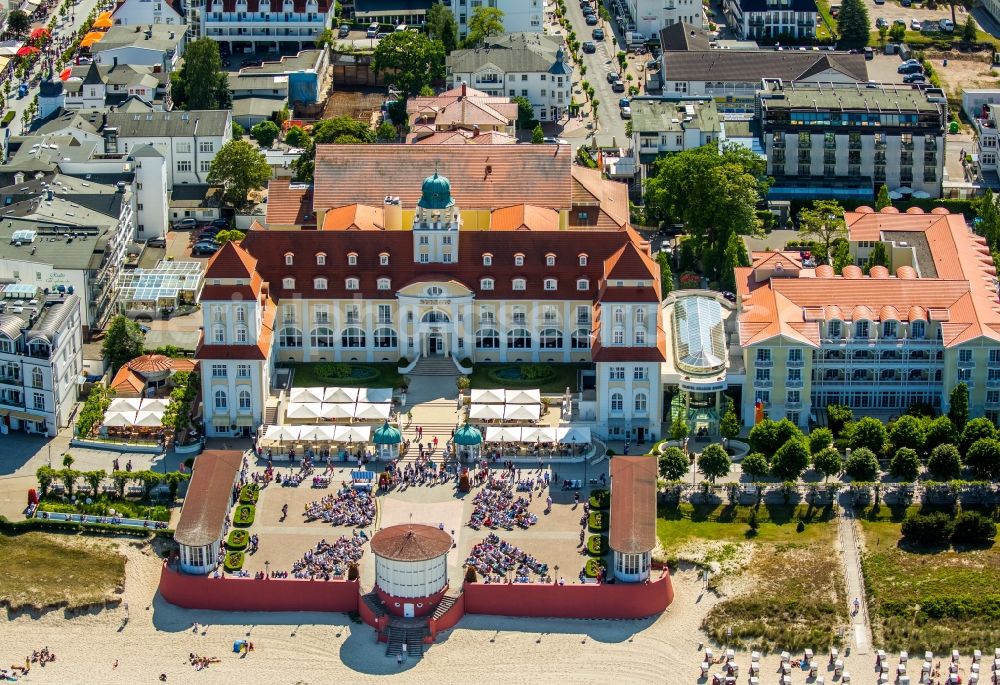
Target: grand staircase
point(447, 602)
point(410, 631)
point(435, 366)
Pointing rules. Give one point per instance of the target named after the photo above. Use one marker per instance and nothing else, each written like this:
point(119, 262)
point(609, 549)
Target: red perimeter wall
point(249, 594)
point(618, 600)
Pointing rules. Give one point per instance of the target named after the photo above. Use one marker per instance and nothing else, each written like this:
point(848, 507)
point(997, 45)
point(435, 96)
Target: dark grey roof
point(792, 6)
point(366, 6)
point(684, 36)
point(164, 37)
point(145, 151)
point(211, 122)
point(743, 66)
point(93, 77)
point(511, 52)
point(53, 318)
point(84, 120)
point(10, 325)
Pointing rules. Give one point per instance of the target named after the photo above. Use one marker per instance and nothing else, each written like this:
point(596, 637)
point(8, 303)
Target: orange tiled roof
point(290, 204)
point(231, 261)
point(354, 218)
point(524, 218)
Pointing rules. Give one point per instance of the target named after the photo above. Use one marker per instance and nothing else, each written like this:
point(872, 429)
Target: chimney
point(475, 131)
point(463, 88)
point(393, 213)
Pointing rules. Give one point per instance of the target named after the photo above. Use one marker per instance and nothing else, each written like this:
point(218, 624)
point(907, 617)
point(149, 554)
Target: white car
point(915, 24)
point(947, 25)
point(626, 112)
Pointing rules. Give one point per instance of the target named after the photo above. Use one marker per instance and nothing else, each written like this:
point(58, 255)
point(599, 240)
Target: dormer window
point(320, 259)
point(319, 284)
point(550, 259)
point(288, 283)
point(289, 258)
point(352, 258)
point(487, 259)
point(383, 259)
point(583, 260)
point(582, 284)
point(550, 284)
point(351, 284)
point(519, 259)
point(486, 284)
point(519, 284)
point(384, 284)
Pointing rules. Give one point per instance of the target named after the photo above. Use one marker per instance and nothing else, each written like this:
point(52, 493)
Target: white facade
point(139, 55)
point(152, 194)
point(244, 26)
point(201, 559)
point(632, 568)
point(651, 16)
point(147, 12)
point(772, 19)
point(518, 15)
point(549, 94)
point(407, 579)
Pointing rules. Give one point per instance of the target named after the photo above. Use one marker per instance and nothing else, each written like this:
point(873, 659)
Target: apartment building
point(901, 335)
point(846, 142)
point(146, 45)
point(660, 127)
point(775, 20)
point(649, 17)
point(518, 15)
point(259, 26)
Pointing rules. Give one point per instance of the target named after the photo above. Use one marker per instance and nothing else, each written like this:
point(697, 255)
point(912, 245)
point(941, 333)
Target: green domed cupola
point(436, 193)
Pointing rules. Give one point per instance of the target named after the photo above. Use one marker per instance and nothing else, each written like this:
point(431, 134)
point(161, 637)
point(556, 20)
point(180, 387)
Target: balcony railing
point(795, 363)
point(993, 382)
point(796, 383)
point(764, 363)
point(762, 383)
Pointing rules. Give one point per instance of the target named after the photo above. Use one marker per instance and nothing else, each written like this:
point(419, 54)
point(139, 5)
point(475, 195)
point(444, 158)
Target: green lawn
point(823, 30)
point(776, 523)
point(565, 376)
point(939, 600)
point(45, 569)
point(306, 376)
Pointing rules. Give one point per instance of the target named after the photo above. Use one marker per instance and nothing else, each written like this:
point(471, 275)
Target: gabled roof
point(524, 218)
point(684, 36)
point(628, 263)
point(203, 516)
point(511, 52)
point(354, 218)
point(232, 261)
point(290, 204)
point(752, 66)
point(633, 504)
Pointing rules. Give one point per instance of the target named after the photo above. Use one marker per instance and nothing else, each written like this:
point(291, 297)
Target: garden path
point(850, 555)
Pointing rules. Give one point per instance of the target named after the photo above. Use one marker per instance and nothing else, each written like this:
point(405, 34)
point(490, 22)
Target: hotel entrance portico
point(433, 319)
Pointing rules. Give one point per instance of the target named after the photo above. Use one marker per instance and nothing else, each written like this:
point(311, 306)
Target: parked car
point(947, 25)
point(910, 69)
point(914, 78)
point(156, 242)
point(221, 223)
point(626, 112)
point(205, 248)
point(879, 2)
point(915, 24)
point(597, 34)
point(185, 224)
point(618, 86)
point(880, 22)
point(869, 53)
point(900, 22)
point(343, 31)
point(652, 65)
point(372, 31)
point(589, 46)
point(548, 140)
point(612, 76)
point(591, 20)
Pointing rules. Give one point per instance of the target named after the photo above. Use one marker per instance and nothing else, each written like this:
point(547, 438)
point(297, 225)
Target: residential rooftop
point(162, 37)
point(861, 97)
point(658, 115)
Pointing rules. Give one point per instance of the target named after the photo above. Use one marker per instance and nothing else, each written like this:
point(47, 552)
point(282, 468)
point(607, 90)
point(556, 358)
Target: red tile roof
point(290, 204)
point(257, 352)
point(354, 218)
point(231, 261)
point(206, 504)
point(633, 504)
point(411, 542)
point(524, 218)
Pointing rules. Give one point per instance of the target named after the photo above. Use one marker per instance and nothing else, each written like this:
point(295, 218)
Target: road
point(79, 12)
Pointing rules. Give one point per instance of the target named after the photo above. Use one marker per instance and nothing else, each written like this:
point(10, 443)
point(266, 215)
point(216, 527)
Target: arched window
point(244, 399)
point(583, 260)
point(37, 379)
point(550, 284)
point(289, 258)
point(384, 284)
point(241, 334)
point(518, 259)
point(918, 329)
point(518, 338)
point(550, 259)
point(640, 316)
point(221, 401)
point(618, 336)
point(640, 336)
point(487, 259)
point(435, 291)
point(640, 403)
point(617, 402)
point(486, 284)
point(581, 339)
point(385, 337)
point(290, 337)
point(582, 284)
point(487, 339)
point(320, 259)
point(551, 338)
point(351, 284)
point(519, 284)
point(319, 283)
point(218, 334)
point(352, 258)
point(322, 336)
point(288, 283)
point(619, 315)
point(435, 316)
point(352, 337)
point(383, 259)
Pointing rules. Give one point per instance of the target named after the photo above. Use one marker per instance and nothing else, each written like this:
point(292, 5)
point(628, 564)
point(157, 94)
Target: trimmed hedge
point(238, 540)
point(600, 499)
point(233, 561)
point(18, 527)
point(597, 545)
point(597, 521)
point(243, 516)
point(592, 568)
point(249, 493)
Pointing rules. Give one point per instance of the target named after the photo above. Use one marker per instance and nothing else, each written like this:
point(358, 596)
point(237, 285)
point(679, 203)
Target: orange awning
point(104, 21)
point(91, 38)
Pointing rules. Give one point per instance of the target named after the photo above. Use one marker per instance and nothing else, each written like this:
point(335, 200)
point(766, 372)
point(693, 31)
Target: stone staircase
point(435, 366)
point(410, 631)
point(374, 603)
point(271, 415)
point(447, 602)
point(441, 430)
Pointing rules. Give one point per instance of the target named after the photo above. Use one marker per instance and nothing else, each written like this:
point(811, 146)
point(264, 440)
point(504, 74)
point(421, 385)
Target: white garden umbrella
point(503, 434)
point(149, 419)
point(117, 419)
point(353, 433)
point(575, 435)
point(521, 412)
point(532, 396)
point(487, 396)
point(306, 394)
point(486, 412)
point(304, 411)
point(366, 411)
point(375, 395)
point(154, 404)
point(337, 410)
point(538, 434)
point(124, 405)
point(341, 395)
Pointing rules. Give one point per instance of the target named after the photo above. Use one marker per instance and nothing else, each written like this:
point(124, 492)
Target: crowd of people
point(494, 558)
point(347, 507)
point(496, 507)
point(327, 559)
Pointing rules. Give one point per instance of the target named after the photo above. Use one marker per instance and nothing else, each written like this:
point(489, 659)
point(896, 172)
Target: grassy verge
point(920, 600)
point(775, 523)
point(43, 570)
point(565, 375)
point(828, 29)
point(306, 376)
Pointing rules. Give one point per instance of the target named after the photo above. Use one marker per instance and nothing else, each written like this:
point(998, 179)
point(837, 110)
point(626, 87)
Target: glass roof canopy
point(699, 335)
point(165, 281)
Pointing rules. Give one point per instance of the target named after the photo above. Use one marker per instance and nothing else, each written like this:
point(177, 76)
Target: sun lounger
point(879, 657)
point(928, 656)
point(977, 655)
point(754, 656)
point(954, 655)
point(903, 656)
point(785, 656)
point(846, 678)
point(883, 679)
point(808, 655)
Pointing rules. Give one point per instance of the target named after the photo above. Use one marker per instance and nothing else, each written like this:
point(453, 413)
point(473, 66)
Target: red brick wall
point(248, 594)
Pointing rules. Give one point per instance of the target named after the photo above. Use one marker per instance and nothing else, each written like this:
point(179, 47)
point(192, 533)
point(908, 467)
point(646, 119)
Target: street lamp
point(267, 569)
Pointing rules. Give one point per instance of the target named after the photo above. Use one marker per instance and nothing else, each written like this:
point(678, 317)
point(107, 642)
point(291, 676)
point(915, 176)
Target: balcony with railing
point(993, 382)
point(764, 362)
point(762, 383)
point(795, 363)
point(794, 383)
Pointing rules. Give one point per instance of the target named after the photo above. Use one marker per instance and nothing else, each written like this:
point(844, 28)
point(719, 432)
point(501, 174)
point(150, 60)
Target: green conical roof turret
point(436, 193)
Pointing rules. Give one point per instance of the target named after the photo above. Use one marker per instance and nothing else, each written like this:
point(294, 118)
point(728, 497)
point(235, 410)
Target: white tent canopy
point(304, 410)
point(332, 410)
point(521, 412)
point(538, 434)
point(149, 419)
point(491, 396)
point(366, 411)
point(300, 395)
point(532, 396)
point(353, 433)
point(503, 434)
point(283, 433)
point(317, 433)
point(375, 395)
point(340, 394)
point(117, 419)
point(486, 412)
point(576, 436)
point(154, 404)
point(125, 405)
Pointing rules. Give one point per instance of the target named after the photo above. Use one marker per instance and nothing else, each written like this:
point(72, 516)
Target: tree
point(385, 132)
point(940, 431)
point(229, 234)
point(297, 137)
point(714, 462)
point(755, 465)
point(972, 528)
point(958, 406)
point(94, 479)
point(862, 465)
point(841, 256)
point(883, 200)
point(905, 464)
point(238, 131)
point(828, 462)
point(869, 433)
point(409, 61)
point(837, 416)
point(239, 168)
point(18, 23)
point(897, 33)
point(819, 440)
point(324, 39)
point(484, 23)
point(853, 24)
point(265, 133)
point(203, 84)
point(976, 430)
point(673, 464)
point(768, 436)
point(930, 530)
point(441, 26)
point(123, 342)
point(970, 30)
point(883, 34)
point(678, 429)
point(537, 135)
point(823, 222)
point(734, 255)
point(730, 425)
point(945, 463)
point(68, 460)
point(666, 275)
point(907, 431)
point(983, 458)
point(790, 460)
point(879, 256)
point(525, 112)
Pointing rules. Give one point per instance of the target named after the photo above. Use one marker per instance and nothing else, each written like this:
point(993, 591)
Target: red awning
point(65, 74)
point(27, 50)
point(39, 33)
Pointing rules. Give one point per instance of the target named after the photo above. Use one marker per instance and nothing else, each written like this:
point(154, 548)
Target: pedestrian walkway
point(851, 559)
point(433, 403)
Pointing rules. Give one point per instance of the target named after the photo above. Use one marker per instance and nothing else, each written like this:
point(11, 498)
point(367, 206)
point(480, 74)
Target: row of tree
point(69, 477)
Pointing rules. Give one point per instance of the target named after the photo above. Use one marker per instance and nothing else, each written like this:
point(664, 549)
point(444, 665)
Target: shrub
point(600, 499)
point(238, 540)
point(837, 416)
point(755, 465)
point(983, 457)
point(905, 464)
point(593, 568)
point(820, 439)
point(333, 370)
point(233, 561)
point(714, 462)
point(597, 545)
point(972, 528)
point(945, 463)
point(940, 431)
point(768, 436)
point(862, 465)
point(244, 515)
point(869, 433)
point(907, 431)
point(534, 372)
point(790, 460)
point(928, 530)
point(673, 464)
point(597, 521)
point(828, 462)
point(975, 430)
point(470, 574)
point(249, 493)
